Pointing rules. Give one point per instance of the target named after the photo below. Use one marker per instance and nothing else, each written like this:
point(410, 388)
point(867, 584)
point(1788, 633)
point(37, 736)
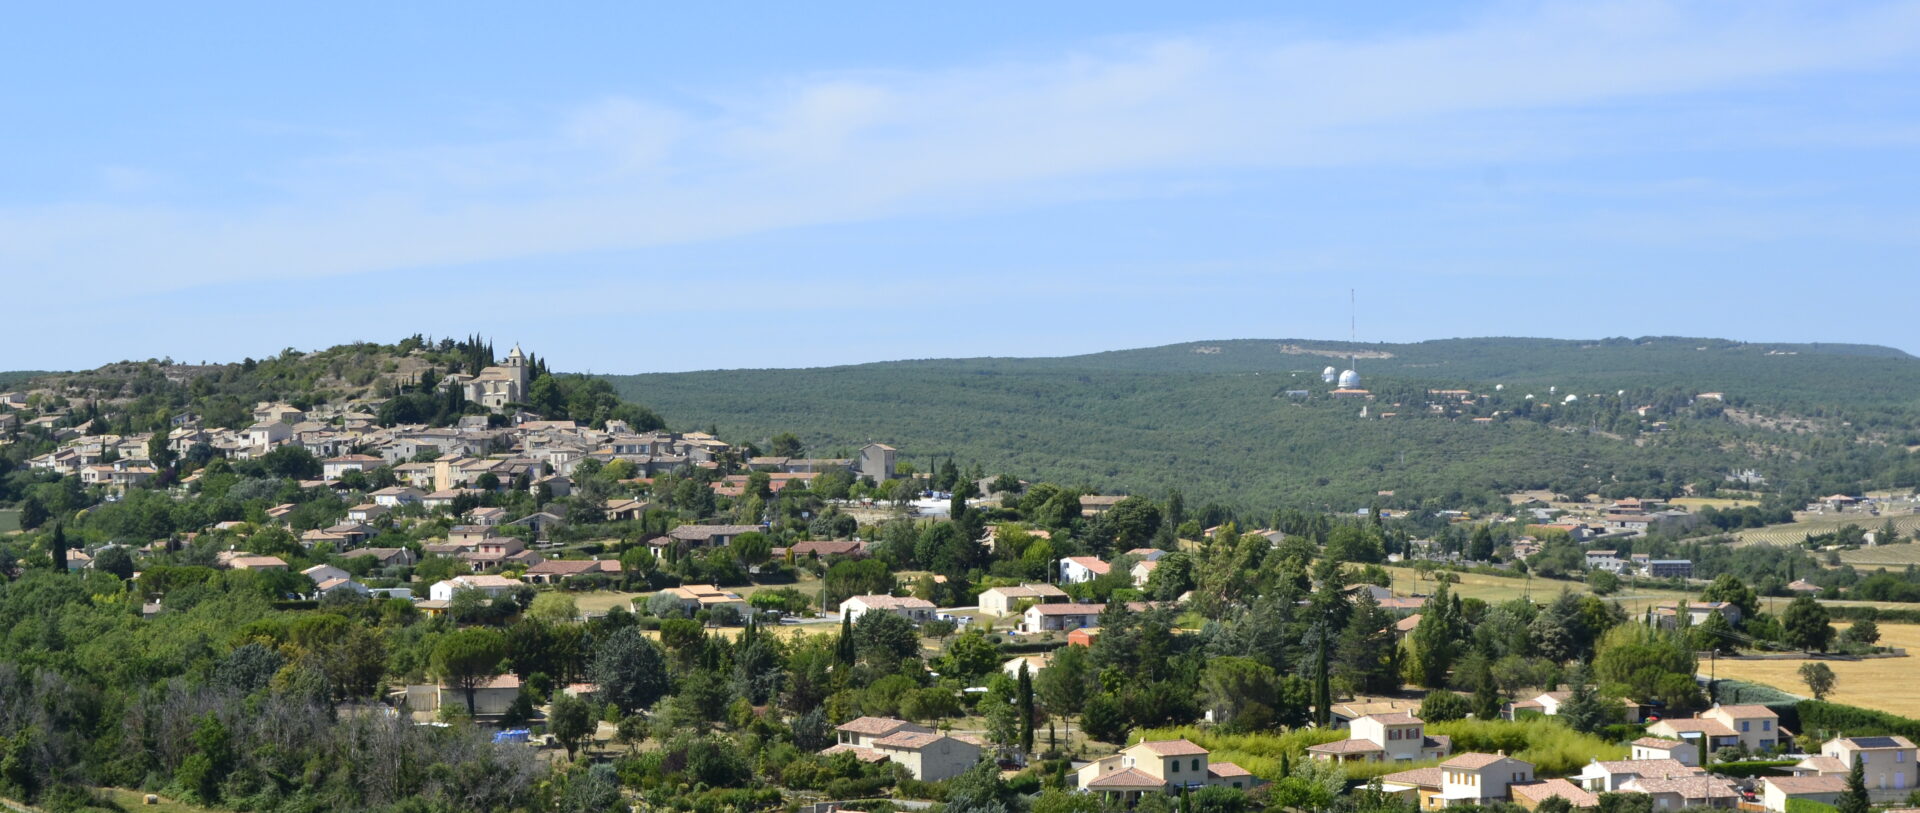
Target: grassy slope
point(1210, 417)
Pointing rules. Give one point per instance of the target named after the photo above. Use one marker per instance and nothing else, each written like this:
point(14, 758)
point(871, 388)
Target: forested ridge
point(1216, 416)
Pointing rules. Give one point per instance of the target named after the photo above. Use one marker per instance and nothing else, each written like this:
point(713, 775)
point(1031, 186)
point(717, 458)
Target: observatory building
point(1349, 379)
point(1328, 375)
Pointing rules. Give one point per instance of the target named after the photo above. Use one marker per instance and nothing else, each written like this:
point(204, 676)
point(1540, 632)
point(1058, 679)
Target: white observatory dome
point(1570, 399)
point(1329, 374)
point(1552, 390)
point(1499, 387)
point(1349, 380)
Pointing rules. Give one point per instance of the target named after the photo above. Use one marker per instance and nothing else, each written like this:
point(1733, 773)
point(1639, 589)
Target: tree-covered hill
point(1214, 417)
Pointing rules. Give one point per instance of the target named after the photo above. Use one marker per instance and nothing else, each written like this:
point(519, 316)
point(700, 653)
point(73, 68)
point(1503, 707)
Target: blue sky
point(640, 187)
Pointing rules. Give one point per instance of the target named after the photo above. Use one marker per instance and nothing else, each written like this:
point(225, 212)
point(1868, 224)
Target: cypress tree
point(1854, 798)
point(1026, 709)
point(57, 548)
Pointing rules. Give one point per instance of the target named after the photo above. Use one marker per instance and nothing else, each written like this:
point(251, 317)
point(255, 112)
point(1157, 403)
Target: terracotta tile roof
point(1090, 563)
point(862, 754)
point(1226, 770)
point(1394, 718)
point(1173, 748)
point(877, 726)
point(1794, 785)
point(894, 602)
point(1541, 791)
point(1823, 764)
point(1472, 761)
point(1687, 787)
point(1354, 746)
point(1128, 778)
point(1748, 711)
point(908, 740)
point(1422, 777)
point(1648, 767)
point(1658, 742)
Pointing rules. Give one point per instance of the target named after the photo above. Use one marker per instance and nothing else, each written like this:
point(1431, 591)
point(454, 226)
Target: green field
point(9, 520)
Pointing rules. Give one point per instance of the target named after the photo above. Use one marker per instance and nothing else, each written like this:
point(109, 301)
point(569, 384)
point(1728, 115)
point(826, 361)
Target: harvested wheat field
point(1885, 684)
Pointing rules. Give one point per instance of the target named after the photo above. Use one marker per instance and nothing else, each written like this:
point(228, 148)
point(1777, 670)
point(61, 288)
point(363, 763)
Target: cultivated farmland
point(1881, 683)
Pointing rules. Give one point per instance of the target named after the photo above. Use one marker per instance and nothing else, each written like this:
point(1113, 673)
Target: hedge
point(1855, 613)
point(1753, 768)
point(1809, 806)
point(1855, 721)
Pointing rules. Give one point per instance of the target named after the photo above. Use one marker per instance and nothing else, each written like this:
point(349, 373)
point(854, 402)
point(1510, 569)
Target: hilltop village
point(468, 583)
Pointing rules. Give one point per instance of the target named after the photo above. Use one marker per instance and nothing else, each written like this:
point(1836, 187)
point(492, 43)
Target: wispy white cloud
point(621, 172)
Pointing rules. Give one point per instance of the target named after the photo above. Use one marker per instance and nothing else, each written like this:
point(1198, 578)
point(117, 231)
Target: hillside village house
point(1685, 753)
point(709, 535)
point(696, 597)
point(916, 610)
point(1777, 791)
point(1611, 775)
point(1050, 617)
point(1093, 505)
point(490, 699)
point(1001, 600)
point(320, 573)
point(1548, 703)
point(1471, 779)
point(1757, 727)
point(1389, 737)
point(1665, 615)
point(928, 755)
point(1156, 767)
point(492, 586)
point(555, 571)
point(1077, 569)
point(1481, 778)
point(396, 496)
point(877, 462)
point(1886, 763)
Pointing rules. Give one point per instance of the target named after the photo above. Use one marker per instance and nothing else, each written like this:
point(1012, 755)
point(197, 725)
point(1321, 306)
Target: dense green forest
point(1216, 416)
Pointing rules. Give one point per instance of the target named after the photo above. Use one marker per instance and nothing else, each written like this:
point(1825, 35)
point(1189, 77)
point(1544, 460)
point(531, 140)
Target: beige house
point(696, 597)
point(917, 610)
point(1776, 791)
point(1676, 792)
point(1757, 727)
point(1888, 763)
point(1002, 600)
point(1159, 766)
point(1692, 729)
point(927, 755)
point(491, 698)
point(1530, 795)
point(1389, 737)
point(1480, 778)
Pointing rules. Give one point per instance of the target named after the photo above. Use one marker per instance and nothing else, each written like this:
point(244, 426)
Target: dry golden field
point(1881, 683)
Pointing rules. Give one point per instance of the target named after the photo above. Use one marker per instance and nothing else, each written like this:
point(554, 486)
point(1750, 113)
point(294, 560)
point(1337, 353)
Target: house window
point(1196, 764)
point(1766, 725)
point(1174, 766)
point(1744, 725)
